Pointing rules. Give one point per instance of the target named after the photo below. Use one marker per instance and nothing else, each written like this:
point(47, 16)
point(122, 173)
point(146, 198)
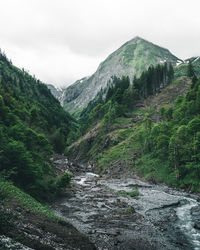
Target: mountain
point(181, 69)
point(151, 130)
point(149, 125)
point(56, 92)
point(33, 125)
point(74, 91)
point(131, 59)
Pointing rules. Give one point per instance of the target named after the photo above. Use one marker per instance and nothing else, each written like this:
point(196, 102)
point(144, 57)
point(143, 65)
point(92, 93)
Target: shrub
point(64, 180)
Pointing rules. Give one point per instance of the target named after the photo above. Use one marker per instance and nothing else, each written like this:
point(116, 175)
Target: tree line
point(121, 95)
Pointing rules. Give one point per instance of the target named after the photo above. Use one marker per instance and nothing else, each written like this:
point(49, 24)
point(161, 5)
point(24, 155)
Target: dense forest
point(171, 147)
point(32, 126)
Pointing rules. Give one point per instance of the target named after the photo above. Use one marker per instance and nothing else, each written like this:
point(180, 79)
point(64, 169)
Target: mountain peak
point(136, 39)
point(139, 38)
point(131, 59)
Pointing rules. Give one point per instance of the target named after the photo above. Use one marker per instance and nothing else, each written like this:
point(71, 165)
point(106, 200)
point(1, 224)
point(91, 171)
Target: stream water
point(160, 218)
point(186, 223)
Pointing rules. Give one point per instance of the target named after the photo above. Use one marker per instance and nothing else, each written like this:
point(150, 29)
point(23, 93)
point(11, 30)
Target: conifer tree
point(190, 70)
point(170, 73)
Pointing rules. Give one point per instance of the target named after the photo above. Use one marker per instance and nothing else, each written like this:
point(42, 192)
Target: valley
point(120, 171)
point(157, 217)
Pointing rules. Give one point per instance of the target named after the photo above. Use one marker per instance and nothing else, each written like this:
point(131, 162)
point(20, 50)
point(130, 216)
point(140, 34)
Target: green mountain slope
point(32, 126)
point(181, 70)
point(131, 60)
point(155, 134)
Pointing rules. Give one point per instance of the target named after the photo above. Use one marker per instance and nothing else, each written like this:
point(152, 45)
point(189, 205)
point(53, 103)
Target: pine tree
point(170, 73)
point(190, 70)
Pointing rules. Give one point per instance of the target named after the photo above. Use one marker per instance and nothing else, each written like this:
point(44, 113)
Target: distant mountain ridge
point(181, 70)
point(33, 125)
point(130, 59)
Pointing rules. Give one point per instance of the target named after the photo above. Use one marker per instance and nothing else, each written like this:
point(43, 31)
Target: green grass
point(181, 70)
point(154, 169)
point(9, 192)
point(122, 121)
point(144, 112)
point(76, 112)
point(127, 211)
point(68, 105)
point(125, 149)
point(133, 193)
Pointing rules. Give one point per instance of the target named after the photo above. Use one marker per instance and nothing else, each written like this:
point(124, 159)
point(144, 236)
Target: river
point(159, 218)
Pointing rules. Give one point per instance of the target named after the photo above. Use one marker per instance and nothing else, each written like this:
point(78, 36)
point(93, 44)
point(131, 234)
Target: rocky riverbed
point(104, 209)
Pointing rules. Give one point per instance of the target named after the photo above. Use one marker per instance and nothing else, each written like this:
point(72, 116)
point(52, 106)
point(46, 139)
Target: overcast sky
point(60, 41)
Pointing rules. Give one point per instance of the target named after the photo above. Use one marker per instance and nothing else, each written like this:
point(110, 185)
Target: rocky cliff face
point(73, 92)
point(130, 59)
point(56, 92)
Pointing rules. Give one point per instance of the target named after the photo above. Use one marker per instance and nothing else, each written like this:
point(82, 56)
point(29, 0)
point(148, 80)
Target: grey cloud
point(62, 41)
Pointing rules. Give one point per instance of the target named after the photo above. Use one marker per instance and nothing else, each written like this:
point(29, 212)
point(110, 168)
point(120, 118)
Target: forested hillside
point(170, 148)
point(32, 126)
point(151, 126)
point(181, 70)
point(121, 96)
